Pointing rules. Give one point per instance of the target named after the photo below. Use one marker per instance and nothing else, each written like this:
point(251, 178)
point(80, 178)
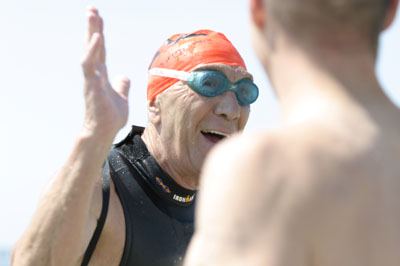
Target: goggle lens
point(212, 83)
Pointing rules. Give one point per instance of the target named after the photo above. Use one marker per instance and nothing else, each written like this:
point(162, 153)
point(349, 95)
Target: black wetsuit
point(158, 212)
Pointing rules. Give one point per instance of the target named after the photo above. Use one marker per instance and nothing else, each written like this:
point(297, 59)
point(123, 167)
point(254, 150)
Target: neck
point(323, 80)
point(168, 161)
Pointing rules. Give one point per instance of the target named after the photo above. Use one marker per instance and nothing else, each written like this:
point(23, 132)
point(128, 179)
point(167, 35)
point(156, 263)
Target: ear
point(390, 14)
point(257, 13)
point(154, 111)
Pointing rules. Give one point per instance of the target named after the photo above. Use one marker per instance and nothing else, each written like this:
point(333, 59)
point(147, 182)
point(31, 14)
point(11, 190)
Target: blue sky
point(41, 98)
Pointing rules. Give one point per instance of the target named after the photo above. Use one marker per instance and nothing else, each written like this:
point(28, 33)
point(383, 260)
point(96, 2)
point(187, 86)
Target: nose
point(228, 106)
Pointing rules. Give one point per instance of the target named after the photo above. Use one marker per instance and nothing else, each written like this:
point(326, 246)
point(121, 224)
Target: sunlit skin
point(184, 119)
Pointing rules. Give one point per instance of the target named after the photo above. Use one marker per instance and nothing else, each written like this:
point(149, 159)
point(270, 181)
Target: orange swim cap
point(186, 51)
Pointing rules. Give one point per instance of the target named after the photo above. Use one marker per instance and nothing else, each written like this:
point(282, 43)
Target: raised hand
point(106, 106)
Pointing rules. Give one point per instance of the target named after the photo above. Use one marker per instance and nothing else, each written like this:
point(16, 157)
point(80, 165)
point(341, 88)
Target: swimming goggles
point(211, 83)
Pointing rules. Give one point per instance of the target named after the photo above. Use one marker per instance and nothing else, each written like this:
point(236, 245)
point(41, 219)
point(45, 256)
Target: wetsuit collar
point(162, 183)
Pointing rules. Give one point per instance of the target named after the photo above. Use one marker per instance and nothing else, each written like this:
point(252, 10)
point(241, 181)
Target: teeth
point(216, 133)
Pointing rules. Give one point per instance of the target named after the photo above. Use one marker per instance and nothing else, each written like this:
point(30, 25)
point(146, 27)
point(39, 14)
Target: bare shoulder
point(240, 161)
point(245, 150)
point(260, 154)
point(254, 182)
point(301, 160)
point(264, 166)
point(294, 170)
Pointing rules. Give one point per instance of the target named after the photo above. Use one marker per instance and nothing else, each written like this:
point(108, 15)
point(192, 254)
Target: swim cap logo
point(162, 185)
point(169, 42)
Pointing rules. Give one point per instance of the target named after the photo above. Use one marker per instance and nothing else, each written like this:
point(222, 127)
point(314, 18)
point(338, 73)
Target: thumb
point(121, 85)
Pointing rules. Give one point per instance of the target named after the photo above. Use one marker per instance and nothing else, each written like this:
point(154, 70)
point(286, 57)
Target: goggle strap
point(169, 73)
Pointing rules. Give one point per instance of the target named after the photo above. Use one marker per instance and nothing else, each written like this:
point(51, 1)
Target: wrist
point(95, 139)
point(100, 134)
point(90, 151)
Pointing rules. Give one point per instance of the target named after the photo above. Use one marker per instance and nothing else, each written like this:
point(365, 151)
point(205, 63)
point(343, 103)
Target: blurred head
point(343, 23)
point(190, 123)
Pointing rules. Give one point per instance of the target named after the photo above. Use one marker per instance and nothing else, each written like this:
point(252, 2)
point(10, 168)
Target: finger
point(121, 85)
point(101, 23)
point(90, 59)
point(94, 23)
point(102, 52)
point(93, 9)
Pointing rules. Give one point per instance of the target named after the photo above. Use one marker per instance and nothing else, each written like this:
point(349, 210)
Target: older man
point(141, 211)
point(323, 188)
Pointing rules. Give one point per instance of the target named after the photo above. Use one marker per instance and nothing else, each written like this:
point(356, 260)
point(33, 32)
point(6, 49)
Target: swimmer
point(134, 205)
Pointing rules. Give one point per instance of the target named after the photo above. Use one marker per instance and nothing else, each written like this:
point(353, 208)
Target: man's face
point(192, 124)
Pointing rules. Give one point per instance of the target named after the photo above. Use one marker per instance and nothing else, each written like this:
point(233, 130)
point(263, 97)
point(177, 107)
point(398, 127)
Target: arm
point(66, 216)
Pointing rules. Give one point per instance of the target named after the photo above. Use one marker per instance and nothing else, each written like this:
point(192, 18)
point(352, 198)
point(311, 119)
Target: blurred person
point(323, 188)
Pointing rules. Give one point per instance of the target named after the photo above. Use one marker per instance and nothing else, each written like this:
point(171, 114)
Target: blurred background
point(41, 97)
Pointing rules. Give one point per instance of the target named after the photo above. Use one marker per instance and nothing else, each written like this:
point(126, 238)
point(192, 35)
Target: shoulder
point(252, 166)
point(259, 153)
point(247, 147)
point(253, 182)
point(285, 168)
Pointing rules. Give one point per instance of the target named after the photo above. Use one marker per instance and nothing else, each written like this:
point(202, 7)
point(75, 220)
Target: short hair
point(302, 17)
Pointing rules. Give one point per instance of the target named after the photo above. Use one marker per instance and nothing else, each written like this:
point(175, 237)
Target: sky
point(41, 96)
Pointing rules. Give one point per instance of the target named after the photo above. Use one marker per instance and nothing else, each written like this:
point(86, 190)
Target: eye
point(208, 83)
point(243, 88)
point(247, 92)
point(211, 83)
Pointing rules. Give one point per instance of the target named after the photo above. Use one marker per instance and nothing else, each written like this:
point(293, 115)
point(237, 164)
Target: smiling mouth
point(214, 136)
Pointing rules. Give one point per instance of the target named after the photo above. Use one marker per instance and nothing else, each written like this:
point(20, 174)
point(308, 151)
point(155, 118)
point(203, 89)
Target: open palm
point(106, 105)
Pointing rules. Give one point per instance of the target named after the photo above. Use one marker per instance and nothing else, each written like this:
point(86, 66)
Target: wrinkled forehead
point(233, 73)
